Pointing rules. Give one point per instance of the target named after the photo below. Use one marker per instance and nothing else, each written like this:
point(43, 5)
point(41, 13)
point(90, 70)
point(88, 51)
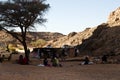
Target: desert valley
point(103, 39)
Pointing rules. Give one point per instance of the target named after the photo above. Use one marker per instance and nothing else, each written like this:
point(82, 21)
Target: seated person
point(25, 61)
point(55, 62)
point(104, 59)
point(86, 60)
point(20, 60)
point(45, 62)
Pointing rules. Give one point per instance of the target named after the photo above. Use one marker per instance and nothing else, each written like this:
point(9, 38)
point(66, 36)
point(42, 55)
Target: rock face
point(100, 39)
point(73, 38)
point(105, 39)
point(114, 18)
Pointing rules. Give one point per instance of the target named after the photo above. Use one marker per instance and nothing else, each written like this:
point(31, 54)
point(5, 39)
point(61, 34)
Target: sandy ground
point(71, 70)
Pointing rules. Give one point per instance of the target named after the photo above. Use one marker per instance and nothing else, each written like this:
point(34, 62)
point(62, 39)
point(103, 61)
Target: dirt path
point(69, 71)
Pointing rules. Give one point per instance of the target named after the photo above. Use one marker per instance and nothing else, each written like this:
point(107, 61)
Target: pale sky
point(67, 16)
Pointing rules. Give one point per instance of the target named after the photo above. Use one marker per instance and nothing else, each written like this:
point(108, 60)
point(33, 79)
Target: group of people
point(104, 59)
point(55, 62)
point(22, 60)
point(54, 59)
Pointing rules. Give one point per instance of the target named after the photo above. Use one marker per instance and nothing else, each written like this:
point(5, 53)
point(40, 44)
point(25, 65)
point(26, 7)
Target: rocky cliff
point(114, 18)
point(106, 37)
point(72, 39)
point(100, 38)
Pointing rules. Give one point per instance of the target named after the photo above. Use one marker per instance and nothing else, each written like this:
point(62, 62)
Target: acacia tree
point(22, 15)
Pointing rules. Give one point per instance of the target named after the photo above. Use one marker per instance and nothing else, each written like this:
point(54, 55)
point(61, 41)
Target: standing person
point(75, 52)
point(28, 53)
point(63, 55)
point(1, 59)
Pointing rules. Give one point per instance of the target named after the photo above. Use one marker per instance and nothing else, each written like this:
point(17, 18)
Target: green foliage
point(38, 43)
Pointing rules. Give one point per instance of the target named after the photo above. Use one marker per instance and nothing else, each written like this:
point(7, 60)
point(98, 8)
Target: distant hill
point(31, 36)
point(47, 36)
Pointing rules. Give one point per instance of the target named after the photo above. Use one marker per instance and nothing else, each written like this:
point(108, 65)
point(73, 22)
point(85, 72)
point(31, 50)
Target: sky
point(67, 16)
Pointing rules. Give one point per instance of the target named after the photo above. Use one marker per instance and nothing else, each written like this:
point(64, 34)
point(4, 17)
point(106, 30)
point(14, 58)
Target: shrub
point(38, 43)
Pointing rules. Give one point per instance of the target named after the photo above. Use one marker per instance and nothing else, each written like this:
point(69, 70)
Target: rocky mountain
point(77, 38)
point(105, 38)
point(114, 18)
point(72, 39)
point(102, 39)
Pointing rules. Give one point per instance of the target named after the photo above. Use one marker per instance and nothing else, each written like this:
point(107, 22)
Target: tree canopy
point(22, 15)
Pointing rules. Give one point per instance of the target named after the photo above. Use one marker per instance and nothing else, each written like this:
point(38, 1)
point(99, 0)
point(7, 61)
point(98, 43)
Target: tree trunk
point(26, 50)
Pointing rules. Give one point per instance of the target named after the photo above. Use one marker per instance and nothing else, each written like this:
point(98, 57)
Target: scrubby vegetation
point(38, 43)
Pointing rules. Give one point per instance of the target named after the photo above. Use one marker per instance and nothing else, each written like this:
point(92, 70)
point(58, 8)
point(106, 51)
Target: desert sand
point(71, 70)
